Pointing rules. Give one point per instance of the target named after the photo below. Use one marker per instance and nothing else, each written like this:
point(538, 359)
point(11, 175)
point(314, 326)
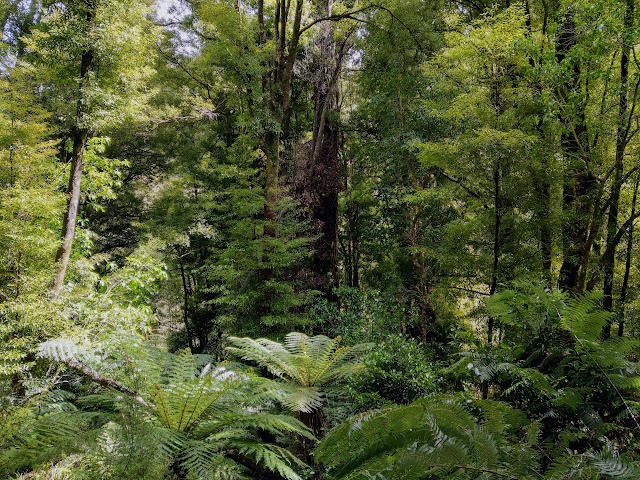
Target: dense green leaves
point(449, 188)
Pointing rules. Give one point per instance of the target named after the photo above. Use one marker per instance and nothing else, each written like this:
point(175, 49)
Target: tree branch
point(616, 240)
point(6, 297)
point(467, 189)
point(176, 62)
point(469, 290)
point(351, 15)
point(103, 381)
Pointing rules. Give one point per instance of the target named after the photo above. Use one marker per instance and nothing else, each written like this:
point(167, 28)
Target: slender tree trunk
point(79, 135)
point(427, 314)
point(627, 263)
point(621, 145)
point(356, 265)
point(71, 214)
point(5, 12)
point(185, 312)
point(17, 270)
point(498, 202)
point(543, 182)
point(351, 250)
point(277, 103)
point(546, 237)
point(497, 243)
point(271, 179)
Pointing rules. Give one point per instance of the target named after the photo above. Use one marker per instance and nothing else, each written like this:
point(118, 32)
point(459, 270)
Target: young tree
point(92, 58)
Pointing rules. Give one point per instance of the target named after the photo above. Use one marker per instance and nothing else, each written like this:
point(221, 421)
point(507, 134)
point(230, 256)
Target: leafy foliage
point(557, 369)
point(397, 371)
point(464, 171)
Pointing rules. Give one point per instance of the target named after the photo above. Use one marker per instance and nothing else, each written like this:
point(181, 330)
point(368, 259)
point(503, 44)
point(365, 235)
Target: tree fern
point(605, 464)
point(307, 367)
point(197, 418)
point(302, 360)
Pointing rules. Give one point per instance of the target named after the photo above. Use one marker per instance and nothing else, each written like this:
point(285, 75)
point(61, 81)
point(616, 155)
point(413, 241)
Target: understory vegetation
point(319, 240)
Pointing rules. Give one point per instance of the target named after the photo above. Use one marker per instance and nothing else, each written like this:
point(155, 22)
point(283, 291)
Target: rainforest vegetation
point(319, 239)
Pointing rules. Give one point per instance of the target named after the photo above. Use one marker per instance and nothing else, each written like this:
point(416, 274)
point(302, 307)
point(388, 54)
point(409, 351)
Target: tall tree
point(318, 173)
point(93, 56)
point(489, 149)
point(623, 136)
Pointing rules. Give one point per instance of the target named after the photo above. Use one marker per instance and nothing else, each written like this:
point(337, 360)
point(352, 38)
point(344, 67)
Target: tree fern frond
point(171, 442)
point(614, 466)
point(302, 399)
point(268, 422)
point(267, 353)
point(436, 436)
point(63, 350)
point(189, 393)
point(584, 318)
point(205, 460)
point(200, 417)
point(307, 366)
point(603, 464)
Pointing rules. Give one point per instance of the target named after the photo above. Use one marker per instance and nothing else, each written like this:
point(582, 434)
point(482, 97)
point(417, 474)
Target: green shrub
point(398, 370)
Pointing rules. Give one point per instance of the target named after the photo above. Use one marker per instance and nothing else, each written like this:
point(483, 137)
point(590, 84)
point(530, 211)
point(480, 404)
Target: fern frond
point(206, 418)
point(434, 436)
point(63, 350)
point(274, 458)
point(603, 464)
point(272, 355)
point(610, 464)
point(306, 365)
point(205, 460)
point(189, 393)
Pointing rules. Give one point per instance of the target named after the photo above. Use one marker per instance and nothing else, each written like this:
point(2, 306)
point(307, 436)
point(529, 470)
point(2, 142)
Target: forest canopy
point(319, 239)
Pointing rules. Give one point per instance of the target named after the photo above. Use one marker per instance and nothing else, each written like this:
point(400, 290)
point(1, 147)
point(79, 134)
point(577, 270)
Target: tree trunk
point(497, 243)
point(185, 306)
point(271, 178)
point(546, 236)
point(272, 158)
point(326, 187)
point(277, 104)
point(71, 214)
point(427, 314)
point(323, 175)
point(627, 263)
point(543, 180)
point(621, 145)
point(79, 135)
point(5, 13)
point(579, 181)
